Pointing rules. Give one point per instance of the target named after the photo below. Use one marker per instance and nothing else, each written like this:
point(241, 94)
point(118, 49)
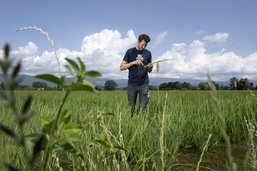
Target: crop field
point(103, 136)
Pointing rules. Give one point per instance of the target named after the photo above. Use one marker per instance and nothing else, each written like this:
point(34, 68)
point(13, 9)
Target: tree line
point(109, 85)
point(234, 84)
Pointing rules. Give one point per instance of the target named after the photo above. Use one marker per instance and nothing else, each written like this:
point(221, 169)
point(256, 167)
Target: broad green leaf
point(31, 139)
point(48, 126)
point(8, 131)
point(45, 120)
point(89, 83)
point(65, 117)
point(73, 64)
point(16, 70)
point(40, 145)
point(79, 86)
point(63, 80)
point(26, 105)
point(79, 77)
point(70, 70)
point(72, 128)
point(93, 74)
point(4, 65)
point(82, 65)
point(51, 78)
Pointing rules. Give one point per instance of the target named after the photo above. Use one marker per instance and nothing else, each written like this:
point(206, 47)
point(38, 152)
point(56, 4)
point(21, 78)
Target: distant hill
point(153, 81)
point(28, 80)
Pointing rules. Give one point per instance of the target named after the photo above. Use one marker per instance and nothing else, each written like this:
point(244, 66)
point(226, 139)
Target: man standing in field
point(138, 61)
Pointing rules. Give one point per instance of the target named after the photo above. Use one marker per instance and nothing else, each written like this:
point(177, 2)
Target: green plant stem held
point(158, 63)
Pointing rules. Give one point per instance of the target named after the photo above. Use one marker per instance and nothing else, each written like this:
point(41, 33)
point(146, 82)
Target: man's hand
point(149, 67)
point(139, 62)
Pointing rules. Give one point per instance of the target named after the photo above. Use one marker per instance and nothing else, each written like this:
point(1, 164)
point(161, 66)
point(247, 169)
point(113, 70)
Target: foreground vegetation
point(108, 133)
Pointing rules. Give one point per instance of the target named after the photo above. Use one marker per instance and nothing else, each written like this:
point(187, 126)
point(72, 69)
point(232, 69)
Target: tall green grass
point(189, 119)
point(111, 140)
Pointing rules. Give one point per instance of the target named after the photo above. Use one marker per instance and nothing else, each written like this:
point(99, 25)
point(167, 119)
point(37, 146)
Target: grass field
point(110, 139)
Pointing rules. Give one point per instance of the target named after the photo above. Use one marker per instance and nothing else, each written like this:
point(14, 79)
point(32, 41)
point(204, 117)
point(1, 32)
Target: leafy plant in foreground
point(17, 135)
point(49, 139)
point(79, 71)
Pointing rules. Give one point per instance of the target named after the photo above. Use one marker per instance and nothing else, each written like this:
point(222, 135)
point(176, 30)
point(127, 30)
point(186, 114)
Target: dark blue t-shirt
point(138, 73)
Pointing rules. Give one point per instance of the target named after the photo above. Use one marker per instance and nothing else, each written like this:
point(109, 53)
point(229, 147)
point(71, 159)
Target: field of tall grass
point(109, 139)
point(78, 130)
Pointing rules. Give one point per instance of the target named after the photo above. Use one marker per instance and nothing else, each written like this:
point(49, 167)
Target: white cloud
point(160, 39)
point(29, 50)
point(35, 63)
point(218, 37)
point(104, 51)
point(193, 61)
point(250, 65)
point(108, 42)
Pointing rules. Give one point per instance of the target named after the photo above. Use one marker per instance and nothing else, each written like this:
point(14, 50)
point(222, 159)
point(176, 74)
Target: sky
point(198, 37)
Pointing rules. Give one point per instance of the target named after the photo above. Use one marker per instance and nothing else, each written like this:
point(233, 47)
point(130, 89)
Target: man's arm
point(125, 65)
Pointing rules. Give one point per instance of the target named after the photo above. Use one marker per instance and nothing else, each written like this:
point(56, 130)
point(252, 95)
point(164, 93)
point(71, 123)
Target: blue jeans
point(133, 91)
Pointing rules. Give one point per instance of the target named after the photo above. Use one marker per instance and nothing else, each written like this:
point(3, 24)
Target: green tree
point(110, 85)
point(170, 86)
point(203, 86)
point(243, 84)
point(251, 86)
point(39, 85)
point(217, 86)
point(177, 85)
point(186, 86)
point(233, 83)
point(163, 86)
point(153, 87)
point(99, 88)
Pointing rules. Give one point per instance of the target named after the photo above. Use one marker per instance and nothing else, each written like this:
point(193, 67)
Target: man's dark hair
point(144, 37)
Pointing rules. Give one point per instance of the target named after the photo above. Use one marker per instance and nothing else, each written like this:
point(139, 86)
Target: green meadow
point(107, 138)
